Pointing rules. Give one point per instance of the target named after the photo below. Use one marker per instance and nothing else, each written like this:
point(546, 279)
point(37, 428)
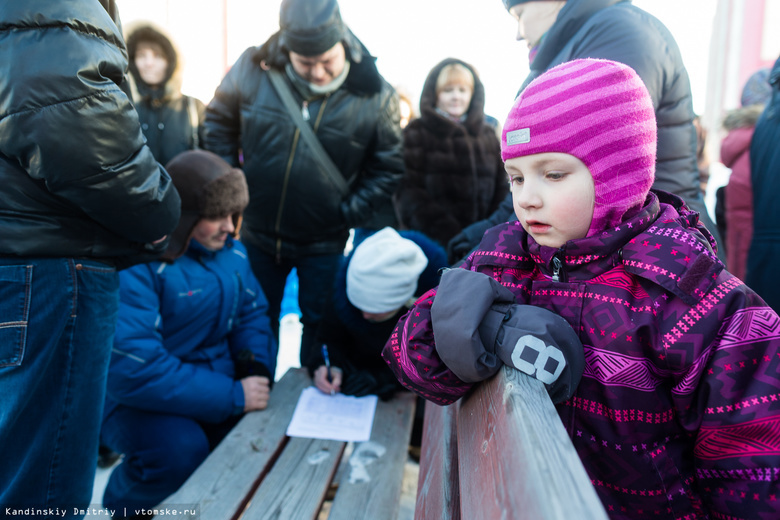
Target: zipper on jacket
point(288, 169)
point(305, 110)
point(557, 264)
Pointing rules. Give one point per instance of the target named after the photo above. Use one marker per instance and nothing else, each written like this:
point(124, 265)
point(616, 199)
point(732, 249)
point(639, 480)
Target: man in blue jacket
point(193, 349)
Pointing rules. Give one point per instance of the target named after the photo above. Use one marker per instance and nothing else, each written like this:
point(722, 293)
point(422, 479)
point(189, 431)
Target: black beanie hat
point(310, 27)
point(209, 188)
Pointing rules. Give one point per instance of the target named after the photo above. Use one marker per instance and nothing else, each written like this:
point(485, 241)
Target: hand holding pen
point(327, 378)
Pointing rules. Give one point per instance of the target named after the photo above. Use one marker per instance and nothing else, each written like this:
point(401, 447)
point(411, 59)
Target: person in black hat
point(193, 349)
point(301, 210)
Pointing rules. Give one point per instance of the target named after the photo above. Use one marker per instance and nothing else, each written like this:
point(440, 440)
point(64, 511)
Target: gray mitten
point(541, 344)
point(478, 326)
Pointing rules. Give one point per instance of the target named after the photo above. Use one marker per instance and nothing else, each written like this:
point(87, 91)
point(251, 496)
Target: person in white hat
point(374, 287)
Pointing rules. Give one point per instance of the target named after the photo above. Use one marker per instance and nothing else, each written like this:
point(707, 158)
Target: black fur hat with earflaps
point(209, 188)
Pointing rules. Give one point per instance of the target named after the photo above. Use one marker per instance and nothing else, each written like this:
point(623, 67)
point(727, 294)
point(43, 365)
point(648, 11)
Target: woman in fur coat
point(454, 174)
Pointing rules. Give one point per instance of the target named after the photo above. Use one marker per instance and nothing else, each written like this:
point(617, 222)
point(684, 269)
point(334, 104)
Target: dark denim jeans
point(57, 320)
point(316, 276)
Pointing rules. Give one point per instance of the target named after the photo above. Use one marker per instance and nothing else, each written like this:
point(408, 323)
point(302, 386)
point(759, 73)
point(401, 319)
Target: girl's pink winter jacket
point(678, 411)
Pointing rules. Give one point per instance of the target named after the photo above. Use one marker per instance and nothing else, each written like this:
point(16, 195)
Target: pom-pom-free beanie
point(757, 90)
point(600, 112)
point(383, 272)
point(310, 27)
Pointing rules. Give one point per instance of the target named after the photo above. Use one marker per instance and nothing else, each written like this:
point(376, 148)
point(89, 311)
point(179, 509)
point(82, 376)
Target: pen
point(327, 365)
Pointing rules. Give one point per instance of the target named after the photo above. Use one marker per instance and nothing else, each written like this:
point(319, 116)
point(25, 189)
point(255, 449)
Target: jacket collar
point(197, 251)
point(663, 243)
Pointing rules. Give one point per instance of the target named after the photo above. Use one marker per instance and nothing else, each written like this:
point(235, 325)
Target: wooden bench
point(257, 472)
point(501, 452)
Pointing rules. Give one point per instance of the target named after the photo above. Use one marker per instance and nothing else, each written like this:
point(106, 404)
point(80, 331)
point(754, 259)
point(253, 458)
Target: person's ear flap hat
point(209, 188)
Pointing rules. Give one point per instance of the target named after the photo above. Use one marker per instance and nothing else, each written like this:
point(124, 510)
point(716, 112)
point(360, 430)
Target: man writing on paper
point(375, 284)
point(318, 130)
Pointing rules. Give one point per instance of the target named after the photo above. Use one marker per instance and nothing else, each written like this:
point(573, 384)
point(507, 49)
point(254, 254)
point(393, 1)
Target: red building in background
point(745, 38)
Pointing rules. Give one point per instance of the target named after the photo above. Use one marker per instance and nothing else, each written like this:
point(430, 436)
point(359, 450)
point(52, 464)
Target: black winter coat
point(454, 172)
point(616, 30)
point(171, 125)
point(294, 208)
point(75, 177)
point(762, 273)
point(171, 121)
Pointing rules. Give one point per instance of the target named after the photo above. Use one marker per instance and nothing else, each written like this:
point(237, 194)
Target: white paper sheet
point(336, 417)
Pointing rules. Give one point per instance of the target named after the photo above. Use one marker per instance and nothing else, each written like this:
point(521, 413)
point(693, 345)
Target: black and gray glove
point(360, 382)
point(478, 326)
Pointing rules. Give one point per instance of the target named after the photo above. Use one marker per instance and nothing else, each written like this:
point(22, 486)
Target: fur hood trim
point(742, 117)
point(136, 32)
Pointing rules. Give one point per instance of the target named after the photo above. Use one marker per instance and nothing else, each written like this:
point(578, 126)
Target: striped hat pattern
point(600, 112)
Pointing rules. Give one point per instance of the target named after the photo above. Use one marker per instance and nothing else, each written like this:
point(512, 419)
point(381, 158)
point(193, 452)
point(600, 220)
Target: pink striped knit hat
point(600, 112)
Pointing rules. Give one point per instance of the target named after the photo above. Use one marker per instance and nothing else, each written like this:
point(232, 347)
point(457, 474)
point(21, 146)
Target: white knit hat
point(383, 272)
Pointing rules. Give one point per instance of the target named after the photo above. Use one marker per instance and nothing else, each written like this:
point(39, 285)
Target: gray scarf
point(310, 91)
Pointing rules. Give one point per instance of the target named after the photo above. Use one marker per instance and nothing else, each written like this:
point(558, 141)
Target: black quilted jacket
point(76, 179)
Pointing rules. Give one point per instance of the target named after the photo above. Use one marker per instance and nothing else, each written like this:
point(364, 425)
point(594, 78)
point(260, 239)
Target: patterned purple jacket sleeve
point(729, 399)
point(411, 354)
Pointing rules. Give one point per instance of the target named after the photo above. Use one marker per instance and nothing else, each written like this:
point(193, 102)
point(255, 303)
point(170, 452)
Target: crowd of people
point(146, 239)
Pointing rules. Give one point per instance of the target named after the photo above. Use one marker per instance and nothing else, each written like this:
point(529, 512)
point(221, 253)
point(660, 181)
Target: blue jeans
point(316, 277)
point(161, 452)
point(57, 320)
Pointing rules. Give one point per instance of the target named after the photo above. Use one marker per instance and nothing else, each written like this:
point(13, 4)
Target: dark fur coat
point(454, 173)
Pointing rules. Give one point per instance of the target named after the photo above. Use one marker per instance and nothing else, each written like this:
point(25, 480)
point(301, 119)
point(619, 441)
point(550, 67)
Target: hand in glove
point(363, 382)
point(543, 345)
point(461, 244)
point(246, 365)
point(478, 326)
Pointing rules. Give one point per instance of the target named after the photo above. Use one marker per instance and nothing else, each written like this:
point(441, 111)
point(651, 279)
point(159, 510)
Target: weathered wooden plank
point(296, 485)
point(515, 458)
point(371, 488)
point(219, 487)
point(438, 493)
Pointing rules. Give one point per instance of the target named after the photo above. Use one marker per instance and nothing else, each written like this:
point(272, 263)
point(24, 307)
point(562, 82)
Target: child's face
point(553, 196)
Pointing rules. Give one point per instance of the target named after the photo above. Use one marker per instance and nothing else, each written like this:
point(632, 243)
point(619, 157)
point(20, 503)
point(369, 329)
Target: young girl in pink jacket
point(663, 365)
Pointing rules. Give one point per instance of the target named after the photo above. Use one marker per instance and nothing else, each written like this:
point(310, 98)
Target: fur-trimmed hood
point(742, 117)
point(209, 188)
point(475, 116)
point(137, 32)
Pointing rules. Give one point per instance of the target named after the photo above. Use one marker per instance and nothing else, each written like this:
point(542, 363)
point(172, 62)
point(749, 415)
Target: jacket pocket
point(15, 288)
